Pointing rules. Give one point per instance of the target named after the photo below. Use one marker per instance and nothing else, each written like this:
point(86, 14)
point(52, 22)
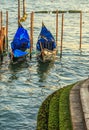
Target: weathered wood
point(61, 35)
point(3, 33)
point(24, 7)
point(80, 29)
point(31, 30)
point(1, 39)
point(18, 12)
point(7, 30)
point(57, 27)
point(1, 20)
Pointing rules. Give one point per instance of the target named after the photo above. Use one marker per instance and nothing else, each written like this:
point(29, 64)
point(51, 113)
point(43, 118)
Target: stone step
point(84, 94)
point(76, 111)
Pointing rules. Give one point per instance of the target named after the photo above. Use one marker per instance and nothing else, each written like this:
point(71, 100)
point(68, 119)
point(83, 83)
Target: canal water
point(24, 86)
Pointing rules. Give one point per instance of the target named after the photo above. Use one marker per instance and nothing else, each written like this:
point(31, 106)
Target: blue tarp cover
point(19, 53)
point(46, 39)
point(21, 42)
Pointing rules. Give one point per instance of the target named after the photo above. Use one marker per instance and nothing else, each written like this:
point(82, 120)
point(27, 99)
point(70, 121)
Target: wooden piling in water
point(61, 35)
point(1, 38)
point(80, 29)
point(1, 20)
point(3, 33)
point(7, 30)
point(24, 7)
point(18, 12)
point(31, 31)
point(1, 49)
point(57, 27)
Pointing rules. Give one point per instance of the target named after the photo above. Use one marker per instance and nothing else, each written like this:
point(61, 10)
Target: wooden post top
point(3, 30)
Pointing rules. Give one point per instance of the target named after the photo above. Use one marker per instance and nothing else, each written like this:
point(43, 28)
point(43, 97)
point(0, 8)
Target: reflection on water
point(18, 66)
point(43, 69)
point(23, 86)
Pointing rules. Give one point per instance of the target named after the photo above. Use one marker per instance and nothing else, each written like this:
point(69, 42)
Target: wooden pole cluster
point(62, 27)
point(31, 31)
point(19, 13)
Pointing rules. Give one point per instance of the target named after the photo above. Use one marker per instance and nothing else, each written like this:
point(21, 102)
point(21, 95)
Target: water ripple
point(24, 86)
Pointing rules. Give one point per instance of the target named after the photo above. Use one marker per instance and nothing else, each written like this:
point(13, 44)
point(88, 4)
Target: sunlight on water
point(24, 86)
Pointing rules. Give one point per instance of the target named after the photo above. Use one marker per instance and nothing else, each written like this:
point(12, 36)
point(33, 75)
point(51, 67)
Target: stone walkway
point(79, 105)
point(84, 94)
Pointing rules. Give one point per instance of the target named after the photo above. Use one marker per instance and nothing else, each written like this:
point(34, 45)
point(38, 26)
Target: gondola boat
point(46, 45)
point(19, 45)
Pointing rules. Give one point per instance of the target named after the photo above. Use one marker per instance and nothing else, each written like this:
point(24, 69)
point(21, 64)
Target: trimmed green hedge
point(64, 110)
point(54, 113)
point(43, 114)
point(53, 120)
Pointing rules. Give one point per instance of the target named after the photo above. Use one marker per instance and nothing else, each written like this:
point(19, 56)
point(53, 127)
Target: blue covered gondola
point(46, 45)
point(20, 43)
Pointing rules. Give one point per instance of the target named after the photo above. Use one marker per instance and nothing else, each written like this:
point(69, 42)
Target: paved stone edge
point(77, 116)
point(84, 95)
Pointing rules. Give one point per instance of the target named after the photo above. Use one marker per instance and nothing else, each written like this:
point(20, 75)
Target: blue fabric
point(19, 53)
point(46, 33)
point(21, 40)
point(46, 39)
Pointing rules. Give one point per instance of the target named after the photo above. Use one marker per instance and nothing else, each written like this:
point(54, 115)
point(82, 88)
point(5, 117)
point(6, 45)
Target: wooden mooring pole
point(18, 12)
point(31, 31)
point(57, 27)
point(7, 30)
point(80, 29)
point(1, 21)
point(61, 35)
point(3, 35)
point(24, 7)
point(1, 40)
point(1, 31)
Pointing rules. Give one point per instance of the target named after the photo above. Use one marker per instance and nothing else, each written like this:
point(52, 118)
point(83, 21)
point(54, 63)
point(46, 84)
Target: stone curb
point(77, 116)
point(84, 94)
